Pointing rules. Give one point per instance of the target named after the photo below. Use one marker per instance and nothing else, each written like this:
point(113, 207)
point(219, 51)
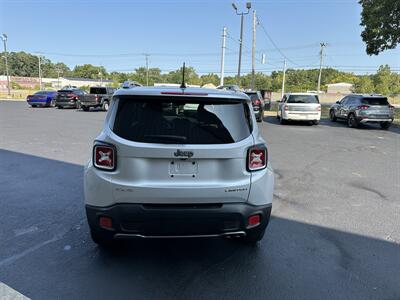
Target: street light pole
point(4, 38)
point(242, 14)
point(40, 72)
point(321, 54)
point(223, 56)
point(147, 68)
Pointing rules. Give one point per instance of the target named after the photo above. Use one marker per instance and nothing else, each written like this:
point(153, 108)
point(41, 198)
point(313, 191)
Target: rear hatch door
point(65, 95)
point(303, 104)
point(181, 151)
point(378, 107)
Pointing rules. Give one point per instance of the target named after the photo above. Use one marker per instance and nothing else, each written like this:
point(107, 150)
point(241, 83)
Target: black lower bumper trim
point(175, 221)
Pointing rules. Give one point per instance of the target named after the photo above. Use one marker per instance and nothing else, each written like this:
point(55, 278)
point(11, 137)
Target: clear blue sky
point(116, 33)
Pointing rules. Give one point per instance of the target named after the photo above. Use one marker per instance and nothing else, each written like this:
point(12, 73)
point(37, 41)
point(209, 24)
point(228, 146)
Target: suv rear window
point(303, 99)
point(253, 97)
point(375, 101)
point(174, 120)
point(98, 90)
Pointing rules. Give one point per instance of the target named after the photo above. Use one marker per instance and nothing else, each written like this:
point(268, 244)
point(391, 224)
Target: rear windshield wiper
point(162, 137)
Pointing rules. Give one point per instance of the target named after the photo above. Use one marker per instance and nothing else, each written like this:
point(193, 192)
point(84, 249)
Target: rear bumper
point(368, 120)
point(38, 102)
point(302, 116)
point(71, 103)
point(177, 221)
point(258, 113)
point(90, 104)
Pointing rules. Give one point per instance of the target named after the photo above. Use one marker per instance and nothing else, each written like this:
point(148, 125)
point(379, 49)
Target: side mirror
point(337, 102)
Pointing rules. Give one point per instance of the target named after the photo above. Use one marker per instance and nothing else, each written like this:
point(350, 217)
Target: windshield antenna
point(183, 85)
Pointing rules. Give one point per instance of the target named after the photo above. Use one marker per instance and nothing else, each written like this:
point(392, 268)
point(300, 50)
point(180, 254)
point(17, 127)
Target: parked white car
point(299, 107)
point(177, 163)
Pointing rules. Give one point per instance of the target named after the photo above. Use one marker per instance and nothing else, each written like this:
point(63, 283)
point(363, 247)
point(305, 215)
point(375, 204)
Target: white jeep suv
point(172, 163)
point(299, 107)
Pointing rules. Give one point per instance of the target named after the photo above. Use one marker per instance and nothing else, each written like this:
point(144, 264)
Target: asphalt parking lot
point(335, 231)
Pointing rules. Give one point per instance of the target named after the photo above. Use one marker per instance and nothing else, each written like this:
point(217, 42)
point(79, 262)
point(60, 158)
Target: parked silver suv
point(356, 109)
point(173, 163)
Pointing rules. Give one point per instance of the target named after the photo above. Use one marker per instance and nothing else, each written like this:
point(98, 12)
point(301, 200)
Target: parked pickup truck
point(98, 97)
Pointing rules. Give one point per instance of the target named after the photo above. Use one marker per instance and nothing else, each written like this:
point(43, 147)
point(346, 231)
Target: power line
point(273, 43)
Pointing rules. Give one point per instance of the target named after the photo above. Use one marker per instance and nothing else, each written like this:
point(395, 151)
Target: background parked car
point(356, 109)
point(98, 97)
point(257, 101)
point(70, 98)
point(267, 96)
point(229, 87)
point(42, 98)
point(299, 107)
point(130, 84)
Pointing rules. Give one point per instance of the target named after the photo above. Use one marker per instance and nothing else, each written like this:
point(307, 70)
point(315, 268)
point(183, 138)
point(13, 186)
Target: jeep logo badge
point(183, 153)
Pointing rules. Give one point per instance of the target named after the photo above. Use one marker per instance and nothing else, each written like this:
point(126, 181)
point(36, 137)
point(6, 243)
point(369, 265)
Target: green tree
point(89, 71)
point(140, 75)
point(21, 64)
point(209, 78)
point(364, 85)
point(191, 76)
point(382, 80)
point(52, 70)
point(381, 21)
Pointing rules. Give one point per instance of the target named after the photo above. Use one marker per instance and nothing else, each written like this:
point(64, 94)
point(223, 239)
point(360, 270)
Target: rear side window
point(254, 97)
point(98, 90)
point(303, 99)
point(375, 101)
point(174, 120)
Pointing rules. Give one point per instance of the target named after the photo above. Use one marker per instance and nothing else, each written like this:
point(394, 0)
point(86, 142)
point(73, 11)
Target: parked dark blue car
point(42, 98)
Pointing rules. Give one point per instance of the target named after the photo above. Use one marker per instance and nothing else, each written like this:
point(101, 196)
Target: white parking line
point(7, 293)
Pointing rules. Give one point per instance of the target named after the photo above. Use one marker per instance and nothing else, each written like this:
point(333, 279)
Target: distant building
point(339, 88)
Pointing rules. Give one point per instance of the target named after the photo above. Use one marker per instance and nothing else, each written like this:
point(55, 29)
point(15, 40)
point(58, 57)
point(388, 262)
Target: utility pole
point(242, 14)
point(253, 52)
point(221, 82)
point(283, 79)
point(40, 72)
point(58, 77)
point(4, 38)
point(147, 68)
point(321, 54)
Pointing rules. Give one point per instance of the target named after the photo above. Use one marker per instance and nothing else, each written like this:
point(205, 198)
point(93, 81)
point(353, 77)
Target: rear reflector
point(257, 158)
point(254, 220)
point(104, 157)
point(105, 222)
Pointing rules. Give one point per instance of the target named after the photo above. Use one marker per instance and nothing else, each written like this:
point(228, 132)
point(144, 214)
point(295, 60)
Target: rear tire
point(59, 107)
point(85, 108)
point(315, 122)
point(332, 116)
point(282, 121)
point(352, 121)
point(105, 106)
point(259, 120)
point(385, 125)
